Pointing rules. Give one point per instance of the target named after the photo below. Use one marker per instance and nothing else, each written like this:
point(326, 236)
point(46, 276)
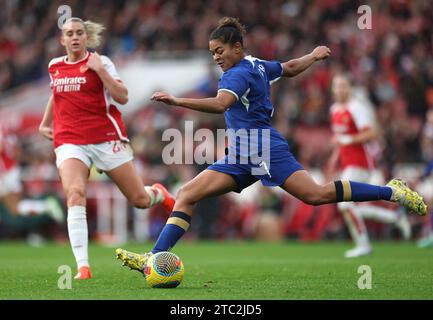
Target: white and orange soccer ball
point(164, 270)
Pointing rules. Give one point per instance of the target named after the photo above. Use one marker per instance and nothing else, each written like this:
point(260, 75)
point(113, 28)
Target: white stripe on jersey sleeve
point(109, 66)
point(54, 61)
point(362, 114)
point(51, 80)
point(108, 101)
point(251, 59)
point(232, 92)
point(275, 80)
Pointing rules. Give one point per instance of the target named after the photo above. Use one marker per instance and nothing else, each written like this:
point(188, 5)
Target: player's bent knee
point(186, 196)
point(75, 197)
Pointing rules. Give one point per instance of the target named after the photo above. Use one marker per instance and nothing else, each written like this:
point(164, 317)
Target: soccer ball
point(164, 270)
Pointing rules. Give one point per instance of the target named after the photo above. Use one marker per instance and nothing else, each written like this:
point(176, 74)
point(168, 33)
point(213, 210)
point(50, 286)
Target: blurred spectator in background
point(18, 216)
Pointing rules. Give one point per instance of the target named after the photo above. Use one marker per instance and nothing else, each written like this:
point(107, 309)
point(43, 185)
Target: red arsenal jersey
point(7, 151)
point(83, 112)
point(350, 119)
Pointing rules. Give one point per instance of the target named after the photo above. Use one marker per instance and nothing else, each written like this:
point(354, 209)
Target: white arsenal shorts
point(10, 182)
point(105, 156)
point(374, 176)
point(357, 174)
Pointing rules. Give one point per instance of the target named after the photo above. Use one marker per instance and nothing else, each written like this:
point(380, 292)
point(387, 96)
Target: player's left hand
point(95, 63)
point(321, 52)
point(164, 97)
point(46, 131)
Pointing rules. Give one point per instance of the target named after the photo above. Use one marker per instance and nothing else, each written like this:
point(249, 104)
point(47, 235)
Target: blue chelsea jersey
point(250, 82)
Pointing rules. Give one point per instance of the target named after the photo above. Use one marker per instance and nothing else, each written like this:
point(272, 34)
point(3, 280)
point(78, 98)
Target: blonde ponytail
point(93, 31)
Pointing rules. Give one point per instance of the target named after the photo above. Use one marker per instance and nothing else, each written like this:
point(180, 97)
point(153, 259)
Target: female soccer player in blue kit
point(244, 98)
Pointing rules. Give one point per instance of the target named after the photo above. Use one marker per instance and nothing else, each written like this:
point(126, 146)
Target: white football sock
point(156, 196)
point(356, 227)
point(377, 213)
point(78, 234)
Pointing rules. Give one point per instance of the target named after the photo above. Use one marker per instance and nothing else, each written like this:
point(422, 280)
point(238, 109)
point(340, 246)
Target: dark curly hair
point(229, 30)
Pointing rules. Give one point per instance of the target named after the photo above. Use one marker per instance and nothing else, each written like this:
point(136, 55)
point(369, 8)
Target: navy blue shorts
point(282, 165)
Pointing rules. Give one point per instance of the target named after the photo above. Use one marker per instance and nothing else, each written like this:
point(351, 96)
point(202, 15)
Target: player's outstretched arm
point(217, 104)
point(117, 90)
point(45, 126)
point(294, 67)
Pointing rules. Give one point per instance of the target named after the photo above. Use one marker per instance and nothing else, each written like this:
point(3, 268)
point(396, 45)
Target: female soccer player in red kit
point(355, 130)
point(88, 129)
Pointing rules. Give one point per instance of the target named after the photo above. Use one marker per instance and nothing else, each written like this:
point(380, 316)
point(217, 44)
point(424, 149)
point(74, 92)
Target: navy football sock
point(174, 229)
point(356, 191)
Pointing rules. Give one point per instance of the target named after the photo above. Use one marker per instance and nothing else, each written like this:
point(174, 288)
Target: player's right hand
point(321, 52)
point(164, 97)
point(47, 132)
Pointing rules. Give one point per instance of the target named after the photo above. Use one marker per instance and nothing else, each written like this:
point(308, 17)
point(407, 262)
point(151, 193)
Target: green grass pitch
point(225, 271)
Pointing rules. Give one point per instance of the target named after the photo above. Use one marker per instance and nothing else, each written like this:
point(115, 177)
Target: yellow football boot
point(134, 261)
point(402, 194)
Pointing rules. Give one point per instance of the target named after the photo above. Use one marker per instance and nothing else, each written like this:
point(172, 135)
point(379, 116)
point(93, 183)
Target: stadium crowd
point(392, 63)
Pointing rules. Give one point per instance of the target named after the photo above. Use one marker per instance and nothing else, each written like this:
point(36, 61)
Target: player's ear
point(238, 47)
